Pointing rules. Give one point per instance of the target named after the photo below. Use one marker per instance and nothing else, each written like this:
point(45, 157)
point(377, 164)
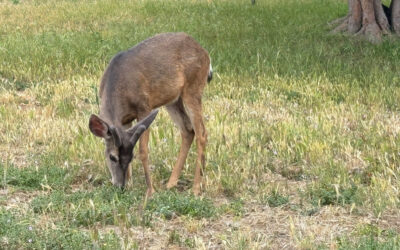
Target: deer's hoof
point(150, 192)
point(196, 191)
point(172, 184)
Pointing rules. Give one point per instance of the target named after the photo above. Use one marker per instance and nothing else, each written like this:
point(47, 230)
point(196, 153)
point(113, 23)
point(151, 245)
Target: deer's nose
point(116, 184)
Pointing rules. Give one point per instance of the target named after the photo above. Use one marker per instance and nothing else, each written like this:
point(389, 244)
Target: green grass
point(275, 199)
point(371, 237)
point(170, 204)
point(25, 232)
point(42, 177)
point(290, 106)
point(104, 205)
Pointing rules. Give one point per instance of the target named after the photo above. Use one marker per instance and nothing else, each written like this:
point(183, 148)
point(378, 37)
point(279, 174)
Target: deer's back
point(155, 71)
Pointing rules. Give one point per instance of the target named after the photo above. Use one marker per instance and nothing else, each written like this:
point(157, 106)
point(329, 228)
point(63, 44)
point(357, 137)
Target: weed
point(106, 205)
point(235, 207)
point(371, 237)
point(275, 199)
point(327, 194)
point(170, 204)
point(174, 238)
point(188, 242)
point(21, 232)
point(31, 178)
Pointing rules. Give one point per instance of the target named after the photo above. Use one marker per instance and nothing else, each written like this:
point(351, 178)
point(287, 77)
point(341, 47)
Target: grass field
point(304, 130)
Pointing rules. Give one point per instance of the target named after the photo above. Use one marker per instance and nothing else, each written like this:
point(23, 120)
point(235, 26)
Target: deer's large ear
point(99, 127)
point(138, 132)
point(141, 126)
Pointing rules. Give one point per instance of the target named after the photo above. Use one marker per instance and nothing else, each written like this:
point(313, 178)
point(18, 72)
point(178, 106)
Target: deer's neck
point(116, 112)
point(109, 112)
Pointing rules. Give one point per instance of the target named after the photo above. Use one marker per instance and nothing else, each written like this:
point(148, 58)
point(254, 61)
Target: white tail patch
point(210, 73)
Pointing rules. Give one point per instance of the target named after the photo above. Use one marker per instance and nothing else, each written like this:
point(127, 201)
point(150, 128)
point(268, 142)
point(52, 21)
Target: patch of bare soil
point(10, 199)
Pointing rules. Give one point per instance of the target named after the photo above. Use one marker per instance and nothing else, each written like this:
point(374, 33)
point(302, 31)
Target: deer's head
point(119, 144)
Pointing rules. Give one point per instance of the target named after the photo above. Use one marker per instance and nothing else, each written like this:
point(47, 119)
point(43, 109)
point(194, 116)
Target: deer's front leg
point(144, 157)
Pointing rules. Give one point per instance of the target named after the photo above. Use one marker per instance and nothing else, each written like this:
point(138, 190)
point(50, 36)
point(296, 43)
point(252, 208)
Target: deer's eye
point(113, 158)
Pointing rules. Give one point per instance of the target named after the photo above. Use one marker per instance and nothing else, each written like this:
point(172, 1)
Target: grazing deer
point(170, 70)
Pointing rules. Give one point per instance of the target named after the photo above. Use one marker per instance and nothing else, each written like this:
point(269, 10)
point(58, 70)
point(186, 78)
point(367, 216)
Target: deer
point(167, 70)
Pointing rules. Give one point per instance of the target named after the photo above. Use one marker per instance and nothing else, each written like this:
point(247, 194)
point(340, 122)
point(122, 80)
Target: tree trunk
point(370, 27)
point(381, 17)
point(368, 18)
point(395, 8)
point(354, 24)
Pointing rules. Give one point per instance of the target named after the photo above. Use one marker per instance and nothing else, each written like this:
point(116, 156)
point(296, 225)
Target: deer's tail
point(210, 73)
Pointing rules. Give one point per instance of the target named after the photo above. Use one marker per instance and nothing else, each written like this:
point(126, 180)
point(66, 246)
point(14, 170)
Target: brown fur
point(171, 70)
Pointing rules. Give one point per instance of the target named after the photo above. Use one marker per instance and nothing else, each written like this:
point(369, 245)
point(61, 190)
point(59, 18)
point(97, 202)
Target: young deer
point(168, 70)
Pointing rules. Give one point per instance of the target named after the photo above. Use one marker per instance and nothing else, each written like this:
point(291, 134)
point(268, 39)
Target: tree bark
point(381, 17)
point(395, 8)
point(370, 27)
point(368, 19)
point(354, 24)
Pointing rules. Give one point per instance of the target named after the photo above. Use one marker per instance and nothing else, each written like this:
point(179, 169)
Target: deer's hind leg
point(181, 119)
point(193, 105)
